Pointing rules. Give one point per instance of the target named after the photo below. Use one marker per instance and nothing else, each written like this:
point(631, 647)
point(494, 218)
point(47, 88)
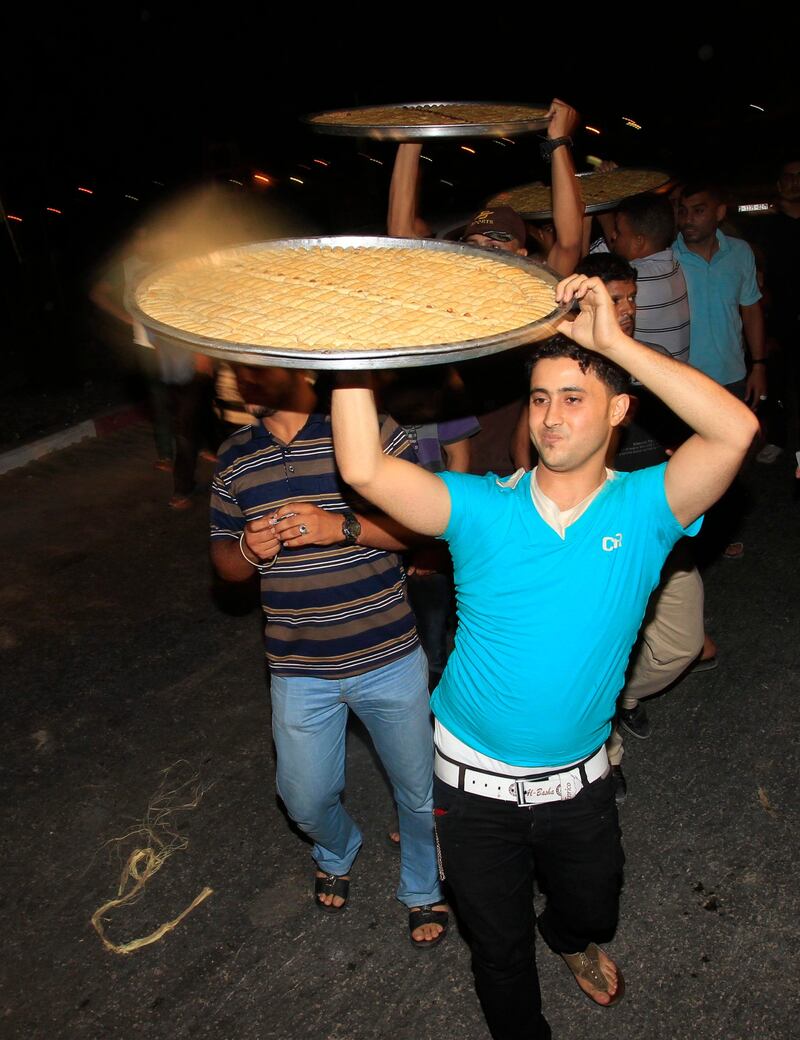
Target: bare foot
point(709, 648)
point(596, 974)
point(328, 899)
point(428, 933)
point(394, 837)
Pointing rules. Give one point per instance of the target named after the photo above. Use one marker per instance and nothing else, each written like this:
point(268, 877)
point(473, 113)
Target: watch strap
point(549, 144)
point(351, 528)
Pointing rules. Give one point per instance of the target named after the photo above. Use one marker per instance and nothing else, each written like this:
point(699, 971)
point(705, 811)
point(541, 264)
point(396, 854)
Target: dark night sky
point(119, 96)
point(109, 91)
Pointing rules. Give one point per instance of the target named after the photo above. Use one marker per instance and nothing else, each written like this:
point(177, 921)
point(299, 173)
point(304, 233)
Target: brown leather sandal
point(586, 966)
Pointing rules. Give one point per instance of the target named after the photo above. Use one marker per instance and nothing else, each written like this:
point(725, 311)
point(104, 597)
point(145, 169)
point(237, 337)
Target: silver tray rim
point(392, 357)
point(382, 132)
point(595, 207)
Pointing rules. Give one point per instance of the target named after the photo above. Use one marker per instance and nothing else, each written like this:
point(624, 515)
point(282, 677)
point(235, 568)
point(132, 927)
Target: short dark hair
point(705, 184)
point(560, 346)
point(608, 267)
point(651, 216)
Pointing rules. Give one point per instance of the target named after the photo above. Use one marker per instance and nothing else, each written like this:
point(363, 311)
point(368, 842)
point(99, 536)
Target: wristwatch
point(351, 528)
point(549, 144)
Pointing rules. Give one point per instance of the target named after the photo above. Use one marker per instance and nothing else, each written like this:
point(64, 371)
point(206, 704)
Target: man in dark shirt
point(781, 242)
point(779, 237)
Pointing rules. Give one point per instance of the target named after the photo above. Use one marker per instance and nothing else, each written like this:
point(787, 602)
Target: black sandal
point(331, 885)
point(427, 915)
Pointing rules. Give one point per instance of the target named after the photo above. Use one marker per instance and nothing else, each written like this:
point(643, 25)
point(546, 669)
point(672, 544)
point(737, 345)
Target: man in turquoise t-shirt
point(553, 572)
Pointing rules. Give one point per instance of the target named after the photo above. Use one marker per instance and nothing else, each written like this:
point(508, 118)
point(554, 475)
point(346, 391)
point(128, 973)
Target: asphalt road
point(121, 660)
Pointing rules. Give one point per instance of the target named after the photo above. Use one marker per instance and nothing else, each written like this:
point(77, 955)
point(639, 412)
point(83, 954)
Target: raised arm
point(703, 467)
point(407, 492)
point(608, 224)
point(567, 199)
point(401, 221)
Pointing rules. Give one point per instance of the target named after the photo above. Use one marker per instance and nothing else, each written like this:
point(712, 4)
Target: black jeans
point(431, 599)
point(491, 852)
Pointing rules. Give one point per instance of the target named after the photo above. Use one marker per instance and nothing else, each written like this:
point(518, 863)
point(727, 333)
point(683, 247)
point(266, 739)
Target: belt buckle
point(531, 793)
point(558, 787)
point(519, 790)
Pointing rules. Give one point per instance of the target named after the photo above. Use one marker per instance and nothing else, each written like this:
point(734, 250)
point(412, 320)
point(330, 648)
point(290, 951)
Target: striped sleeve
point(395, 441)
point(227, 519)
point(662, 305)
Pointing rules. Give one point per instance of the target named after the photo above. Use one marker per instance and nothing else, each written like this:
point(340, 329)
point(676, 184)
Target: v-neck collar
point(561, 520)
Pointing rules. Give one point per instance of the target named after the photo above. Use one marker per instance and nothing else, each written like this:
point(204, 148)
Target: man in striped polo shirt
point(338, 629)
point(642, 233)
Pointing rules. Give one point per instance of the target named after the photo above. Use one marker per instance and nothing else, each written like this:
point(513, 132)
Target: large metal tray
point(367, 123)
point(390, 357)
point(657, 180)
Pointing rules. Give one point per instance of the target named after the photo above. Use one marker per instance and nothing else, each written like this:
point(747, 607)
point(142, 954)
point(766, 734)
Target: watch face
point(351, 528)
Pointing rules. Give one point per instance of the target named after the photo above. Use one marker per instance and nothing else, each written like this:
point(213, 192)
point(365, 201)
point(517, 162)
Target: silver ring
point(763, 397)
point(302, 529)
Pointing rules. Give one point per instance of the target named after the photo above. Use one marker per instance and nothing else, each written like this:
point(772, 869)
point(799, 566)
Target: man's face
point(699, 216)
point(623, 296)
point(268, 389)
point(625, 242)
point(571, 414)
point(510, 246)
point(789, 182)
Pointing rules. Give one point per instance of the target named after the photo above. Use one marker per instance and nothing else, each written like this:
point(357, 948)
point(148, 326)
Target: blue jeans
point(309, 719)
